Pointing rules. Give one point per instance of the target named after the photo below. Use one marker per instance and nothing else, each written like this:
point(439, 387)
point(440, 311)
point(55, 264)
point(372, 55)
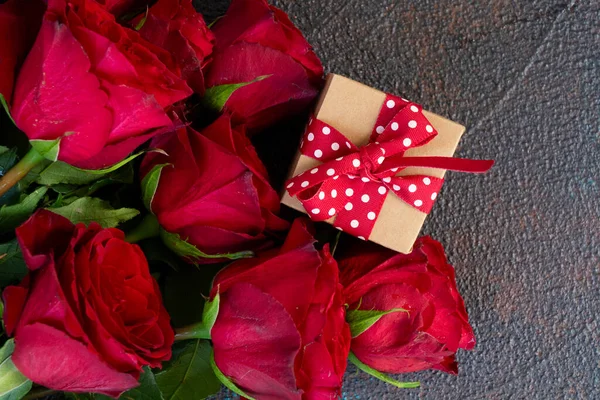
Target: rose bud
point(107, 100)
point(258, 43)
point(89, 315)
point(211, 191)
point(422, 318)
point(280, 330)
point(177, 27)
point(19, 24)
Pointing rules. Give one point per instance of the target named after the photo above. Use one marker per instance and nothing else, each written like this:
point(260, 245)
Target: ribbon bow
point(352, 183)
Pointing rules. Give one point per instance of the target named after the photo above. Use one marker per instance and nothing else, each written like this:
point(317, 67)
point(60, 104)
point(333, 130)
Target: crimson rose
point(214, 193)
point(107, 100)
point(178, 28)
point(435, 325)
point(280, 332)
point(256, 40)
point(88, 316)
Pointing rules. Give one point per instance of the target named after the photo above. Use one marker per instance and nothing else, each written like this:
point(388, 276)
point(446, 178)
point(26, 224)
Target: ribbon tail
point(447, 163)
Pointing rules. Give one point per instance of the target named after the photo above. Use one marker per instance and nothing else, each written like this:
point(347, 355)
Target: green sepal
point(214, 21)
point(381, 376)
point(150, 184)
point(216, 96)
point(13, 384)
point(211, 312)
point(140, 24)
point(6, 108)
point(186, 250)
point(89, 209)
point(118, 165)
point(202, 329)
point(225, 380)
point(361, 320)
point(48, 149)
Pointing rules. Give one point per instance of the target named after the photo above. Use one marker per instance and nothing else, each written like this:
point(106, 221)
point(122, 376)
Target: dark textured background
point(524, 77)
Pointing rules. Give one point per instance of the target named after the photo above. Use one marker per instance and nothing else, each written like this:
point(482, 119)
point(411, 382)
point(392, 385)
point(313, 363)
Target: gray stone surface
point(524, 77)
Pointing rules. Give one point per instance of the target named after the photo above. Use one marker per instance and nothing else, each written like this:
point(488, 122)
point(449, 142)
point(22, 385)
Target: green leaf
point(216, 96)
point(122, 175)
point(13, 384)
point(89, 209)
point(6, 108)
point(381, 376)
point(186, 250)
point(63, 173)
point(60, 172)
point(13, 216)
point(189, 374)
point(12, 265)
point(48, 149)
point(148, 389)
point(225, 380)
point(8, 158)
point(150, 183)
point(361, 320)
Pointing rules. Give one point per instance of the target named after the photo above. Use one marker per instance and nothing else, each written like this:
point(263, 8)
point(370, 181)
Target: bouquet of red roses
point(142, 251)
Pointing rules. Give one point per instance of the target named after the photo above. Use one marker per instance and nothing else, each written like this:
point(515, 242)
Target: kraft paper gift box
point(353, 109)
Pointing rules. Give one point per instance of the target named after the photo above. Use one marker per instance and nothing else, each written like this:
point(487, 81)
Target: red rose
point(19, 24)
point(423, 283)
point(89, 315)
point(252, 40)
point(178, 28)
point(108, 99)
point(280, 332)
point(215, 194)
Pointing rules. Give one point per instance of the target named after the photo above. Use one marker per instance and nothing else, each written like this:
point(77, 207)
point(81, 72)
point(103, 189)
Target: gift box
point(372, 164)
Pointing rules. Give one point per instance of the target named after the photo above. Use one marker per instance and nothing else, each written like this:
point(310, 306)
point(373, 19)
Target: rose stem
point(148, 228)
point(20, 170)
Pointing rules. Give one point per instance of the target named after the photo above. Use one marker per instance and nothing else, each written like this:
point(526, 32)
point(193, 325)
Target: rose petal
point(287, 89)
point(81, 116)
point(255, 343)
point(53, 359)
point(43, 236)
point(292, 286)
point(14, 298)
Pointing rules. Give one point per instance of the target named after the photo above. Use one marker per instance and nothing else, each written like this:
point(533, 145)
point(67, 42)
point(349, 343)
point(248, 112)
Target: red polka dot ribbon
point(352, 183)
